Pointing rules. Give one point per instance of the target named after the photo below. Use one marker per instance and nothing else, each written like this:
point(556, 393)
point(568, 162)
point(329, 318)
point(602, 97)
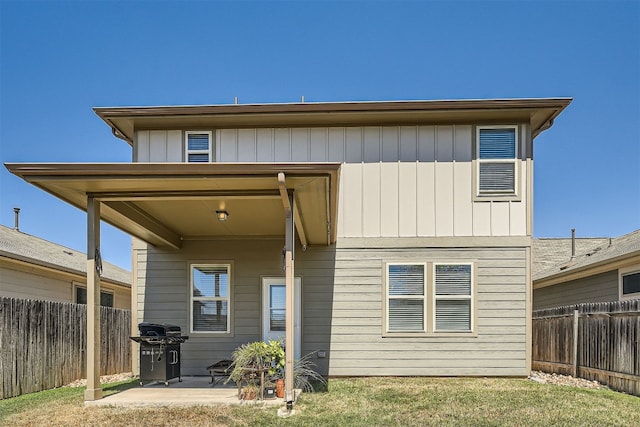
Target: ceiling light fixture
point(222, 215)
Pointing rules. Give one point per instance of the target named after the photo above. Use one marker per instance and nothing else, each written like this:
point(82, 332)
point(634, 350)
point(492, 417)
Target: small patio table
point(247, 373)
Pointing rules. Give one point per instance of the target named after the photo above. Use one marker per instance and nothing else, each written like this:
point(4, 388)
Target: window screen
point(210, 290)
point(497, 154)
point(406, 292)
point(453, 297)
point(198, 147)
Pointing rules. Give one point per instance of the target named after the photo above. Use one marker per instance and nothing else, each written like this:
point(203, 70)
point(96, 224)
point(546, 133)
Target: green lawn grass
point(359, 402)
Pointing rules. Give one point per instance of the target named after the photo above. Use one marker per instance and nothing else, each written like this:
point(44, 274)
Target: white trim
point(297, 319)
point(405, 297)
point(514, 161)
point(469, 297)
point(635, 269)
point(208, 151)
point(228, 298)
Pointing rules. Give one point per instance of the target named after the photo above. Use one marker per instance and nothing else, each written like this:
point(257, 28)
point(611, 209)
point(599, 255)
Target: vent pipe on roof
point(16, 222)
point(573, 243)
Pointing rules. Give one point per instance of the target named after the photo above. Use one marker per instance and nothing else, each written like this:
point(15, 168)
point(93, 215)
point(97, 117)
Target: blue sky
point(58, 59)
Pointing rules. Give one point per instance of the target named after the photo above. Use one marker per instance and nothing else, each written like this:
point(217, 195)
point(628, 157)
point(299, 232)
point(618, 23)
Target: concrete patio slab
point(192, 391)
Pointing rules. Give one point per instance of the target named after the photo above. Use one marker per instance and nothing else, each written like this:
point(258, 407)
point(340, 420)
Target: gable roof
point(552, 256)
point(24, 247)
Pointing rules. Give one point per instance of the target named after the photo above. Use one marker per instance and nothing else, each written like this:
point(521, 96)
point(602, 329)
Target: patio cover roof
point(165, 204)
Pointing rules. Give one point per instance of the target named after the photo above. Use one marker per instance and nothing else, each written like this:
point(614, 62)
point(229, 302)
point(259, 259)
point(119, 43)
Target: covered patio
point(192, 391)
point(167, 204)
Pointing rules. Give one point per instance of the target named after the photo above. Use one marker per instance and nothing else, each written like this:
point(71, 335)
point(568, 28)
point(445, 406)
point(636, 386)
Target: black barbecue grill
point(159, 352)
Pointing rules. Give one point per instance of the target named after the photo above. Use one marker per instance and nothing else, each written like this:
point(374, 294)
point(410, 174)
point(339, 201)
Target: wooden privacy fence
point(43, 344)
point(597, 341)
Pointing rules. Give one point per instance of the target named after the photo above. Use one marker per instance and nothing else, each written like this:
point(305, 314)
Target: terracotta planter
point(280, 388)
point(249, 394)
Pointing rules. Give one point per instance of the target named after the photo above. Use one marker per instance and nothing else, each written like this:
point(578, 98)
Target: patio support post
point(94, 391)
point(289, 305)
point(289, 229)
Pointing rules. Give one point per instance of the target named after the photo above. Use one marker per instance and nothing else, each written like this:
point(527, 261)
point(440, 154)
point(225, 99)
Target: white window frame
point(429, 300)
point(514, 161)
point(228, 298)
point(626, 272)
point(424, 298)
point(208, 151)
point(469, 298)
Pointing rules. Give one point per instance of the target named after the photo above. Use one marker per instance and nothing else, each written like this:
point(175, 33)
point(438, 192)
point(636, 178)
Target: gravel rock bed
point(557, 379)
point(105, 379)
point(537, 376)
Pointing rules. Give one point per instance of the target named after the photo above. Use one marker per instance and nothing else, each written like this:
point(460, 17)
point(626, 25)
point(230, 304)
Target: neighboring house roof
point(24, 247)
point(552, 256)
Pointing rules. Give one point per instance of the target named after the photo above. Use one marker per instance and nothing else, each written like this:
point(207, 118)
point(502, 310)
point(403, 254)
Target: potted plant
point(254, 359)
point(246, 359)
point(250, 391)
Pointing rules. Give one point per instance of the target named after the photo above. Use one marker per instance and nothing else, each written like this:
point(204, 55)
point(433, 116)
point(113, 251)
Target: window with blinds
point(198, 147)
point(438, 302)
point(453, 297)
point(210, 298)
point(497, 155)
point(406, 297)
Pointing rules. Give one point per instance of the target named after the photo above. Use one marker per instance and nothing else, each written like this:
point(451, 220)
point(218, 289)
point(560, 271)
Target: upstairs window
point(497, 154)
point(198, 146)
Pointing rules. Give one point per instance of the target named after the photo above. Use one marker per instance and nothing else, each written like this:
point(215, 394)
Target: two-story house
point(393, 238)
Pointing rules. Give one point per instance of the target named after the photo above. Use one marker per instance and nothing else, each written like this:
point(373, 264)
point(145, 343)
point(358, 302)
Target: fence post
point(576, 318)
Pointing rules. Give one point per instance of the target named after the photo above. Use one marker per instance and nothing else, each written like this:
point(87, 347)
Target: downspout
point(116, 132)
point(542, 128)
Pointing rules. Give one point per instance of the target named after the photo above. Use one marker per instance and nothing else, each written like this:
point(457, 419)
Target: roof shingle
point(25, 247)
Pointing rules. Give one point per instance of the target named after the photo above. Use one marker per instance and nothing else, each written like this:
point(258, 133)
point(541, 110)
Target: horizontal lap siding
point(55, 287)
point(345, 319)
point(343, 306)
point(599, 288)
point(163, 293)
point(20, 284)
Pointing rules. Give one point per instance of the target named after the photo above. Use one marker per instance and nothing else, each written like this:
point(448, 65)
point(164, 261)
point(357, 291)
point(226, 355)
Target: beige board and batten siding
point(407, 181)
point(342, 306)
point(598, 288)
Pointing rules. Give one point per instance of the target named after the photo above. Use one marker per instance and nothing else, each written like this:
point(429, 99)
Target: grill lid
point(148, 329)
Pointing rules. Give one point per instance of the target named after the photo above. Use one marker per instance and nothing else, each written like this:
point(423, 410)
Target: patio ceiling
point(165, 204)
